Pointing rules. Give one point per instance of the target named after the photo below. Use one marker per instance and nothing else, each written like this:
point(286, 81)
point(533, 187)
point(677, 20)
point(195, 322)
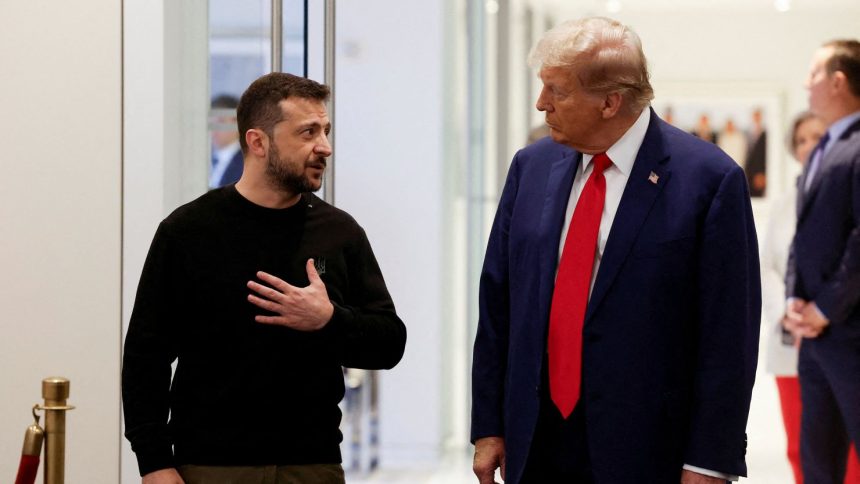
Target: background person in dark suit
point(666, 258)
point(227, 159)
point(756, 162)
point(823, 274)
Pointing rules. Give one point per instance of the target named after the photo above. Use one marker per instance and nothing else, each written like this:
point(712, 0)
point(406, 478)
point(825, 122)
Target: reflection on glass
point(227, 160)
point(240, 52)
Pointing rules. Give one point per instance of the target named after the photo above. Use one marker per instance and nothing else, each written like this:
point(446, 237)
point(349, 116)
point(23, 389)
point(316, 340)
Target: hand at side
point(489, 455)
point(163, 476)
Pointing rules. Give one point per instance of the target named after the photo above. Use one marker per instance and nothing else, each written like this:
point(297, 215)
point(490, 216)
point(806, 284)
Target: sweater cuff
point(340, 318)
point(151, 460)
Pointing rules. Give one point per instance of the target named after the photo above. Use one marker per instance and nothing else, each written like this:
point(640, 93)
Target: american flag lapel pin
point(653, 178)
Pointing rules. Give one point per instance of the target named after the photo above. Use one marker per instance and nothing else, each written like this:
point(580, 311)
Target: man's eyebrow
point(314, 124)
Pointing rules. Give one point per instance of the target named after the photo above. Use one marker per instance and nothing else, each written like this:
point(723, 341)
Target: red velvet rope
point(28, 469)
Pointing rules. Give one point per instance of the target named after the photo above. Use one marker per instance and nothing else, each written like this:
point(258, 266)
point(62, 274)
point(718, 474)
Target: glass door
point(243, 45)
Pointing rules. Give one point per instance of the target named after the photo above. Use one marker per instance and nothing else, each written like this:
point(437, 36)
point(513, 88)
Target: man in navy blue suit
point(227, 158)
point(823, 275)
point(620, 295)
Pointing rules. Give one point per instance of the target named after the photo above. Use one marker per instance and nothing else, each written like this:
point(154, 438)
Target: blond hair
point(605, 54)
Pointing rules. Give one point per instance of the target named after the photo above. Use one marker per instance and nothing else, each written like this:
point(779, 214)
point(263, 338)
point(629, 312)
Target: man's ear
point(611, 104)
point(257, 141)
point(838, 81)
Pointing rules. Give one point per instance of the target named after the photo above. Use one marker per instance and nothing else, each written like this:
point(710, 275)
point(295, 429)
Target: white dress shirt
point(623, 155)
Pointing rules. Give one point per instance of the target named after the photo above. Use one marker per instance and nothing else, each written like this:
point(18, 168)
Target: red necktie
point(570, 297)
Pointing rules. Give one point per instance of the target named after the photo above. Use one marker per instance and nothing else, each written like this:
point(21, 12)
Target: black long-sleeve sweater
point(246, 393)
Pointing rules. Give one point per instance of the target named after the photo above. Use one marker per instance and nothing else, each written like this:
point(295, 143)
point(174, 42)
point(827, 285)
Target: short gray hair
point(606, 54)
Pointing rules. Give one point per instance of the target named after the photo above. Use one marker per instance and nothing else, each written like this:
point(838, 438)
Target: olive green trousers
point(300, 474)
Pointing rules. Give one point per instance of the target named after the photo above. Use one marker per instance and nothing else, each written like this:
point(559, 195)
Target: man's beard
point(280, 174)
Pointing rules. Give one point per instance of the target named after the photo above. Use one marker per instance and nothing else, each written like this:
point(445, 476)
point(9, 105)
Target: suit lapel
point(636, 201)
point(834, 154)
point(801, 193)
point(559, 184)
point(822, 163)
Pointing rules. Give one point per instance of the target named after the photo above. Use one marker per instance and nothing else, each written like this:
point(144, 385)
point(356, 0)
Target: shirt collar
point(839, 127)
point(623, 152)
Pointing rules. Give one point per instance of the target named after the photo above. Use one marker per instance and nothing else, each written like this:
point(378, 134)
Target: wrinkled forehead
point(558, 76)
point(300, 106)
point(303, 111)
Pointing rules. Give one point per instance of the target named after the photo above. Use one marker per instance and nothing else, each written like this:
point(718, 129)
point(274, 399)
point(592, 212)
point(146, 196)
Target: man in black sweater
point(260, 292)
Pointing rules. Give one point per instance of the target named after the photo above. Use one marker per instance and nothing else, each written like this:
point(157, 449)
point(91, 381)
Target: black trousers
point(830, 393)
point(559, 451)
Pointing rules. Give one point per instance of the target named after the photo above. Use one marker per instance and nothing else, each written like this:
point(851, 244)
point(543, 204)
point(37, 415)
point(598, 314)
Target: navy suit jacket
point(234, 170)
point(670, 339)
point(824, 262)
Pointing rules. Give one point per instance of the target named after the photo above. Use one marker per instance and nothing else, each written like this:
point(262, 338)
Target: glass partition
point(240, 50)
point(179, 57)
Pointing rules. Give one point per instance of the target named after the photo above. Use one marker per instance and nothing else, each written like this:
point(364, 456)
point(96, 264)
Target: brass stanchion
point(55, 391)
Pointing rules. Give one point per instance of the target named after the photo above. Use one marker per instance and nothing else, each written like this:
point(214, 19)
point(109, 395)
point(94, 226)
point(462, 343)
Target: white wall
point(727, 46)
point(389, 155)
point(60, 90)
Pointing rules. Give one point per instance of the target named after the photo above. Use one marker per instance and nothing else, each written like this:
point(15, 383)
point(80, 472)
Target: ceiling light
point(782, 5)
point(613, 6)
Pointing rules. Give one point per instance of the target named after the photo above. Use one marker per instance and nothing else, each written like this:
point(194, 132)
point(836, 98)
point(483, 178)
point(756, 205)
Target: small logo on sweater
point(319, 265)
